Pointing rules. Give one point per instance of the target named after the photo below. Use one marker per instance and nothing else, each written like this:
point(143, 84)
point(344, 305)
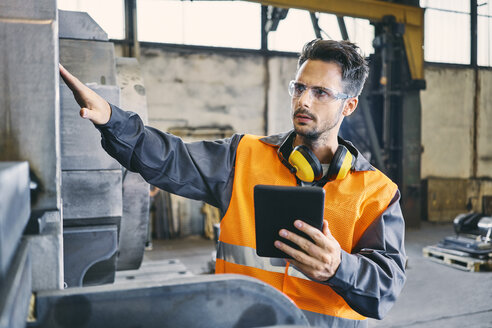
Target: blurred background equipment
point(471, 248)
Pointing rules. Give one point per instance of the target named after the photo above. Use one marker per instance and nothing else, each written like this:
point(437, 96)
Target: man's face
point(311, 117)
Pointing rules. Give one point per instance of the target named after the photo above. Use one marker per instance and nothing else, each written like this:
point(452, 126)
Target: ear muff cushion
point(340, 164)
point(308, 168)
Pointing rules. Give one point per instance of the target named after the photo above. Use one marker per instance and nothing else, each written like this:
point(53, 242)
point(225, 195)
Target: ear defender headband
point(308, 168)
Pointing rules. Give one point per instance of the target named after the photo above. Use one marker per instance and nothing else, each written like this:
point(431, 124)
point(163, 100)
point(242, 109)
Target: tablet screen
point(277, 207)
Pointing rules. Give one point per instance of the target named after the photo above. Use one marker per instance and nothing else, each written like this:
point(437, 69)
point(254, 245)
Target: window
point(211, 23)
point(360, 31)
point(484, 34)
point(109, 14)
point(447, 31)
point(297, 28)
point(292, 32)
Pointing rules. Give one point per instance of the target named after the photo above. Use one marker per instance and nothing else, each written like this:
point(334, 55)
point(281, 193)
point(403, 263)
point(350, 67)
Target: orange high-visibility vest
point(351, 205)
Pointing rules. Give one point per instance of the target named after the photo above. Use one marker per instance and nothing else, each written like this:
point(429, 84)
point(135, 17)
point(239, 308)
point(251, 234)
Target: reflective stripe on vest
point(247, 256)
point(351, 205)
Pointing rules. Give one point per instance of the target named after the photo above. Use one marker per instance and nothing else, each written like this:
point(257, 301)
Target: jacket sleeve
point(371, 278)
point(199, 170)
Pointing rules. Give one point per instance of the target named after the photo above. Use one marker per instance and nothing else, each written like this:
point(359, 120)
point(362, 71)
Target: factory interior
point(87, 242)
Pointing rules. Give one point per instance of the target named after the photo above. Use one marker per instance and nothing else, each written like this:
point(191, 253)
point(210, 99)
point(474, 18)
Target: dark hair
point(344, 53)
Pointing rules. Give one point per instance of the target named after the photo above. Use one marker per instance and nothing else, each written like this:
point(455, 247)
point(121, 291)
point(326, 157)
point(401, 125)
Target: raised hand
point(92, 106)
point(318, 260)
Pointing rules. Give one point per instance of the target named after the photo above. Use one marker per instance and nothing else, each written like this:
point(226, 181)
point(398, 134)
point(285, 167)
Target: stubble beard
point(315, 136)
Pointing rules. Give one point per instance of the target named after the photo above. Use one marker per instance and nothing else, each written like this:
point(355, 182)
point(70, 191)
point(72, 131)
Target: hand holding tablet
point(278, 207)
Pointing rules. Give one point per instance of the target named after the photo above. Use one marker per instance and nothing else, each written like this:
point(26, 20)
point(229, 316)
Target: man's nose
point(306, 99)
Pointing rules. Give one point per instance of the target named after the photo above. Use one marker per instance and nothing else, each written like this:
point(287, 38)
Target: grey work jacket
point(369, 279)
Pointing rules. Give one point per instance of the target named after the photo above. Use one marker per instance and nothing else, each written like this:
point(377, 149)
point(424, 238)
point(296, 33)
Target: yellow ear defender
point(341, 164)
point(308, 168)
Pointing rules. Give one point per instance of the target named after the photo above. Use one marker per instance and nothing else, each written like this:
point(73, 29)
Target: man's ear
point(350, 106)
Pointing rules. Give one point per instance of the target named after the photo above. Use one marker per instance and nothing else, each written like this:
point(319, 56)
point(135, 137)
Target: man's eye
point(321, 93)
point(300, 87)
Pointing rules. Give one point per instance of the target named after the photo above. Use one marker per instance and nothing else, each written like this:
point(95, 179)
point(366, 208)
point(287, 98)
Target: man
point(354, 268)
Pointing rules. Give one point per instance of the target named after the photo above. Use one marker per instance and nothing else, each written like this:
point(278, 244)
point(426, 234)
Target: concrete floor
point(434, 296)
point(437, 295)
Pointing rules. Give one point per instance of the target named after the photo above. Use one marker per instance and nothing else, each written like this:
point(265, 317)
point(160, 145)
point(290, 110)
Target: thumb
point(95, 115)
point(326, 229)
point(87, 114)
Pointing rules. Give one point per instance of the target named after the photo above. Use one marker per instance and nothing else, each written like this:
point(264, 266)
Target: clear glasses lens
point(321, 94)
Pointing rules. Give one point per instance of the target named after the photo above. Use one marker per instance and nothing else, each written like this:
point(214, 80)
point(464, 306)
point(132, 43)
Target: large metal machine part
point(91, 180)
point(134, 221)
point(83, 153)
point(83, 248)
point(91, 195)
point(15, 290)
point(135, 216)
point(14, 209)
point(46, 252)
point(29, 129)
point(79, 25)
point(96, 190)
point(201, 301)
point(15, 264)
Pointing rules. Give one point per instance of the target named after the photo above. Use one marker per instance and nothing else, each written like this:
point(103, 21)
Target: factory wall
point(190, 89)
point(484, 151)
point(187, 88)
point(456, 169)
point(447, 123)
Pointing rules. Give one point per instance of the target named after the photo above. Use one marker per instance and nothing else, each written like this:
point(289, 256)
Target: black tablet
point(277, 207)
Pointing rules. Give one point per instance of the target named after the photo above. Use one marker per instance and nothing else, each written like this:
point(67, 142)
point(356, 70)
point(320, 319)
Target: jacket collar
point(278, 140)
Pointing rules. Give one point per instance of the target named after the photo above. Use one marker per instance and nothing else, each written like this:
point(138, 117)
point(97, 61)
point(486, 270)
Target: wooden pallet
point(456, 259)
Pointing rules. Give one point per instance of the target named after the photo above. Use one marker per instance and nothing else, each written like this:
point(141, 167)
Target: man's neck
point(323, 148)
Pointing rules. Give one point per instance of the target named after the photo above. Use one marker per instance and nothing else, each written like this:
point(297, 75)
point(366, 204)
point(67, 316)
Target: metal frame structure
point(374, 10)
point(410, 15)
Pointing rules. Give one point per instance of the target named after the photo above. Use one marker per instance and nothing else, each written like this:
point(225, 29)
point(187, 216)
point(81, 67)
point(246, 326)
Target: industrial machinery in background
point(70, 216)
point(471, 248)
